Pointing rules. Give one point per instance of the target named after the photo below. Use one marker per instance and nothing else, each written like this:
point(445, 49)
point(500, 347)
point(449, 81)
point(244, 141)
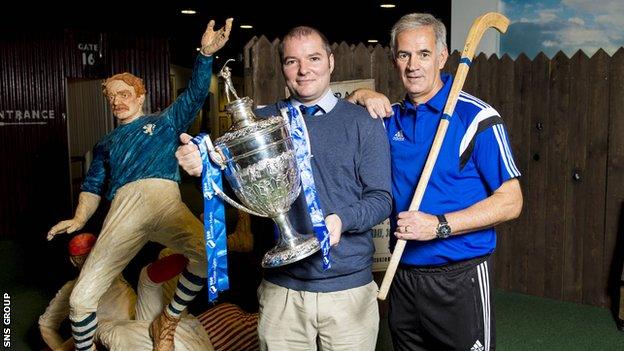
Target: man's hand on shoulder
point(377, 104)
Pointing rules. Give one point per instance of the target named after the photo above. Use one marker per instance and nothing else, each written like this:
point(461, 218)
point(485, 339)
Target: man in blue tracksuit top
point(440, 296)
point(302, 305)
point(134, 167)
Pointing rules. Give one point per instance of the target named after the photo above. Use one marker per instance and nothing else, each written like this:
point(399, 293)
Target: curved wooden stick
point(479, 26)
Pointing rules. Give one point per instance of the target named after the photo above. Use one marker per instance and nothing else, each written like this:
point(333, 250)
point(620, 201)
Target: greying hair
point(303, 31)
point(418, 20)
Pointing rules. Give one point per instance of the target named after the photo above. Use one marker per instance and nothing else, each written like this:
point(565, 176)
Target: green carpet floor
point(531, 323)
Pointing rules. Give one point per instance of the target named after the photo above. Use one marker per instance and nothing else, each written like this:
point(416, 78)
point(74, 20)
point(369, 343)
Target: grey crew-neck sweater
point(351, 168)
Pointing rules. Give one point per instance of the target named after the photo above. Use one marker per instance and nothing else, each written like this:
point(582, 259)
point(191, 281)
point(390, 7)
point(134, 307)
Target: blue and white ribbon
point(214, 223)
point(299, 134)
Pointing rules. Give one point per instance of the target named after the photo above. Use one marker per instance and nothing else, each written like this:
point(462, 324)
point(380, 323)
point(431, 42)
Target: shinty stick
point(479, 26)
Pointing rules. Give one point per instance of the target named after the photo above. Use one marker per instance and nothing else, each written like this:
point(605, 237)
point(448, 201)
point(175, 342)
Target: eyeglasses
point(123, 95)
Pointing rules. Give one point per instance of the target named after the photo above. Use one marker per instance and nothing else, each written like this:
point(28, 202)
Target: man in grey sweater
point(302, 305)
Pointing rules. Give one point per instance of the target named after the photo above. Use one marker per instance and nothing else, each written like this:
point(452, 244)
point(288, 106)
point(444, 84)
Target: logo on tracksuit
point(398, 136)
point(477, 346)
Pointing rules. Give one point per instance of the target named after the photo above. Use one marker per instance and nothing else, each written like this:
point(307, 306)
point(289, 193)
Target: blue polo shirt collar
point(437, 102)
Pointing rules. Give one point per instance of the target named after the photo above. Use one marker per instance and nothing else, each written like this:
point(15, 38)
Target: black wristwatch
point(443, 230)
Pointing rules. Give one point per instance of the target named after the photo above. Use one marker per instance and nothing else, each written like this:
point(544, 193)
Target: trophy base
point(302, 247)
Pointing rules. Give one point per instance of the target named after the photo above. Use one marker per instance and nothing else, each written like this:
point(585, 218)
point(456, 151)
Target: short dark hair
point(303, 31)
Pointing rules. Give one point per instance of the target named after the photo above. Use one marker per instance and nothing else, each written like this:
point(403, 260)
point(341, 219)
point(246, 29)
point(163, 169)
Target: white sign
point(381, 238)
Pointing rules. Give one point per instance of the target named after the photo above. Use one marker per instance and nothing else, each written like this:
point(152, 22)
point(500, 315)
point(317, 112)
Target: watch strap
point(442, 219)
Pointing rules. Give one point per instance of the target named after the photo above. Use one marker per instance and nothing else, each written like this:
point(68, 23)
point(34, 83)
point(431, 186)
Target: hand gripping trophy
point(258, 159)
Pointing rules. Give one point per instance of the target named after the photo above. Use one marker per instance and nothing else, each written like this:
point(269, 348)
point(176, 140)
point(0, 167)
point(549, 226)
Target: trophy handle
point(233, 202)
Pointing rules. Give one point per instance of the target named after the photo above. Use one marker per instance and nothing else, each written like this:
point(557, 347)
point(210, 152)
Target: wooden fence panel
point(593, 206)
point(517, 127)
point(563, 117)
point(576, 179)
point(558, 155)
point(265, 73)
point(522, 126)
point(614, 231)
point(362, 63)
point(343, 62)
point(380, 61)
point(536, 174)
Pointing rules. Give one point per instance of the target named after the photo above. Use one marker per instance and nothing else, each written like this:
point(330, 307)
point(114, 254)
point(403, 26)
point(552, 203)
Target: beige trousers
point(300, 320)
point(144, 210)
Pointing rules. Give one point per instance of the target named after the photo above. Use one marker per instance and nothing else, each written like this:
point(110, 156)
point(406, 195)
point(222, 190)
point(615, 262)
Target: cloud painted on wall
point(562, 25)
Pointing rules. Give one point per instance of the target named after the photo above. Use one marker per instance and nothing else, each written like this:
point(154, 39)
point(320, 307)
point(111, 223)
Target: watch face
point(444, 231)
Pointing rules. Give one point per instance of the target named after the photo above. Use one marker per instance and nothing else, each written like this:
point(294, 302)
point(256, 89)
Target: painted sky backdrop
point(562, 25)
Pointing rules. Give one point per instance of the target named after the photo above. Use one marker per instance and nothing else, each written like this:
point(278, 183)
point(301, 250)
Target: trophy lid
point(244, 121)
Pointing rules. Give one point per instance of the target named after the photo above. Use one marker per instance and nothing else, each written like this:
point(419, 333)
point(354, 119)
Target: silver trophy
point(258, 160)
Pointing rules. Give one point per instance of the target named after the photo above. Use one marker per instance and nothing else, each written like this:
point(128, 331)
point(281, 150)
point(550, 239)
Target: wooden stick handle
point(481, 23)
